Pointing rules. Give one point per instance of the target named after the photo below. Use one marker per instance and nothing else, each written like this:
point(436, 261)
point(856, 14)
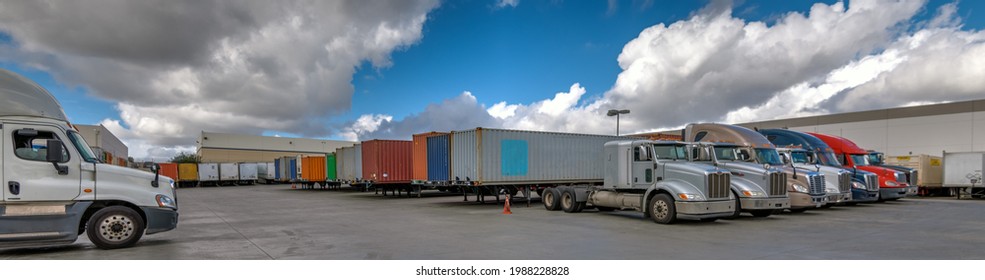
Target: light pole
point(617, 113)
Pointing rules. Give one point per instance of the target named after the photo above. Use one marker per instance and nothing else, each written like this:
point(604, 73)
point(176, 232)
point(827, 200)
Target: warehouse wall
point(231, 155)
point(100, 137)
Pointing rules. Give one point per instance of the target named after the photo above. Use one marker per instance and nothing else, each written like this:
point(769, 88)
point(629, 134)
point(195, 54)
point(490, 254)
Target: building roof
point(230, 141)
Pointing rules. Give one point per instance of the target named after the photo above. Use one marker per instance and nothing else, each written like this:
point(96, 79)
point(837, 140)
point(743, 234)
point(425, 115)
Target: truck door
point(642, 167)
point(28, 176)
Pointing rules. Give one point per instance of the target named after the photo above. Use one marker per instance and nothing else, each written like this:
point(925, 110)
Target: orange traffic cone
point(506, 207)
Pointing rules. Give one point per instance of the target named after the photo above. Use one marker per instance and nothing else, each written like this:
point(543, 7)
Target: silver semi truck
point(761, 189)
point(837, 181)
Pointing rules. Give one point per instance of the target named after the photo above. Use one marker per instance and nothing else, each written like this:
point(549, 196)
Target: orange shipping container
point(419, 156)
point(387, 161)
point(170, 170)
point(313, 169)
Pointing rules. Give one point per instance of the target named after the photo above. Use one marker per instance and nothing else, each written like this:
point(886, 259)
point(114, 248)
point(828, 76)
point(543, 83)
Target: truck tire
point(551, 199)
point(569, 202)
point(761, 213)
point(662, 209)
point(738, 208)
point(115, 227)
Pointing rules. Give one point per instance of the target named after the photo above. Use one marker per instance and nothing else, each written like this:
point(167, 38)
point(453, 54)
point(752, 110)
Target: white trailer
point(963, 173)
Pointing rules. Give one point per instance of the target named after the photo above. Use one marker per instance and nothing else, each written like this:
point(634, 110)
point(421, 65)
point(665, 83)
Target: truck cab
point(892, 183)
point(56, 187)
point(805, 187)
point(864, 184)
point(837, 181)
point(879, 159)
point(760, 189)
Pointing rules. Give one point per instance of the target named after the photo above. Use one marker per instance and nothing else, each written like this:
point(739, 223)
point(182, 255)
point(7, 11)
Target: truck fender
point(581, 192)
point(671, 187)
point(739, 184)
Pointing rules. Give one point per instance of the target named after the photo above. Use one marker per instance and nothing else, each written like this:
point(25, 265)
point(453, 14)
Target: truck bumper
point(160, 219)
point(859, 195)
point(803, 200)
point(764, 203)
point(912, 190)
point(891, 193)
point(704, 209)
point(839, 197)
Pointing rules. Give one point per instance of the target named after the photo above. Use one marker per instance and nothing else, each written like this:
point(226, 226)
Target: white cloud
point(504, 3)
point(502, 111)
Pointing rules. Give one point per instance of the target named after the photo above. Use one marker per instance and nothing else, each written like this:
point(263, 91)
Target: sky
point(157, 74)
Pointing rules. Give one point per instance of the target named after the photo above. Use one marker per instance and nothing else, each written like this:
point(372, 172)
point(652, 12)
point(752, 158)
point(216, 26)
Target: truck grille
point(912, 177)
point(816, 183)
point(872, 182)
point(845, 182)
point(718, 185)
point(778, 184)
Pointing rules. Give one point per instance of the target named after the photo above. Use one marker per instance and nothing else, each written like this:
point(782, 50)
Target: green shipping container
point(330, 167)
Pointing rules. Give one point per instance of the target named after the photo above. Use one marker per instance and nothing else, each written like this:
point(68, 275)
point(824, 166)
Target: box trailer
point(349, 164)
point(387, 162)
point(930, 168)
point(228, 172)
point(208, 173)
point(330, 168)
point(963, 173)
point(248, 173)
point(187, 174)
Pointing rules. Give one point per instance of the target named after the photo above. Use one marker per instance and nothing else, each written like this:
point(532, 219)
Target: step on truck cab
point(892, 183)
point(805, 188)
point(56, 188)
point(864, 184)
point(653, 177)
point(879, 159)
point(760, 190)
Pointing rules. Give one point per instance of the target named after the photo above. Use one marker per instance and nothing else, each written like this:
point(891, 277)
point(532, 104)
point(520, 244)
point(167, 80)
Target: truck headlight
point(753, 193)
point(858, 185)
point(165, 201)
point(891, 183)
point(800, 188)
point(690, 196)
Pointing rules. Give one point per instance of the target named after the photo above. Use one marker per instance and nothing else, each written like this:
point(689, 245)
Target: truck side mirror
point(55, 155)
point(157, 174)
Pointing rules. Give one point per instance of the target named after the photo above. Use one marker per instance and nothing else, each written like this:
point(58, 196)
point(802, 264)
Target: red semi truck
point(892, 183)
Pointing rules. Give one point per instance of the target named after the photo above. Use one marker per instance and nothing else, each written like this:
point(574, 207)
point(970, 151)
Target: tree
point(186, 158)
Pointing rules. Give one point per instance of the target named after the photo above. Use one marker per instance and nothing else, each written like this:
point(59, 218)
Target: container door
point(643, 175)
point(28, 176)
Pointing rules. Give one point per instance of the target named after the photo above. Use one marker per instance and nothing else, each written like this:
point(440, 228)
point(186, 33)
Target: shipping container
point(170, 170)
point(228, 171)
point(277, 168)
point(438, 157)
point(262, 171)
point(419, 155)
point(330, 168)
point(963, 169)
point(208, 172)
point(292, 168)
point(271, 170)
point(248, 171)
point(349, 163)
point(313, 169)
point(187, 172)
point(930, 169)
point(505, 157)
point(387, 161)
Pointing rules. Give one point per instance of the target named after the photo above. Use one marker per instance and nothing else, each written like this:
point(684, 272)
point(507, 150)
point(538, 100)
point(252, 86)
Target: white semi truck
point(56, 188)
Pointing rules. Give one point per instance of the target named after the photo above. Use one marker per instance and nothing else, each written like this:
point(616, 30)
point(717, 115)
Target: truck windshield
point(726, 153)
point(669, 152)
point(874, 159)
point(768, 156)
point(799, 157)
point(82, 146)
point(828, 158)
point(860, 159)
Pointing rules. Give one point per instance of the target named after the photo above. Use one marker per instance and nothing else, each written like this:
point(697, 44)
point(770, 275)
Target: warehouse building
point(226, 147)
point(107, 146)
point(926, 129)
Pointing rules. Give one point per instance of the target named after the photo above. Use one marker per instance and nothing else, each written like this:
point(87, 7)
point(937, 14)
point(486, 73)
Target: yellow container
point(187, 172)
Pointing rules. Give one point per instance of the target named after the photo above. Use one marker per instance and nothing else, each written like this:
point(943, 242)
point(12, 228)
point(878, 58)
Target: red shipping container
point(170, 170)
point(419, 156)
point(387, 161)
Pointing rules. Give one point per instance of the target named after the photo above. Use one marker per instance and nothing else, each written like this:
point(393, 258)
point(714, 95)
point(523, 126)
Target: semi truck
point(57, 189)
point(879, 159)
point(805, 188)
point(864, 184)
point(652, 177)
point(759, 190)
point(892, 183)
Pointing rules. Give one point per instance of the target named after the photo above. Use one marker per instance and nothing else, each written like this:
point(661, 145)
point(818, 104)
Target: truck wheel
point(662, 209)
point(738, 208)
point(550, 199)
point(761, 213)
point(568, 202)
point(115, 227)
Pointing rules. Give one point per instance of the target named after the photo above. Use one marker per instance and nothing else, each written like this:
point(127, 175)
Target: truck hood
point(830, 175)
point(112, 177)
point(747, 176)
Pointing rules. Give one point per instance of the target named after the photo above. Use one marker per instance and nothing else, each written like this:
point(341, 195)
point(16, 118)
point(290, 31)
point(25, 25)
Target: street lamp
point(617, 113)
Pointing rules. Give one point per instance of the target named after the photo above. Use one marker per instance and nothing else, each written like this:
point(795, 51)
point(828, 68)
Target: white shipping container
point(270, 171)
point(349, 163)
point(208, 172)
point(262, 170)
point(963, 169)
point(930, 169)
point(228, 171)
point(248, 171)
point(503, 157)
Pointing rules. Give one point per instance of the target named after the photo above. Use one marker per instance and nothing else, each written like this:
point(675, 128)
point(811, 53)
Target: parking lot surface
point(277, 222)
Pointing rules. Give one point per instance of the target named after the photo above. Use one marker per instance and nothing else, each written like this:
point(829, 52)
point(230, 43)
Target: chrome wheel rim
point(660, 209)
point(548, 198)
point(116, 228)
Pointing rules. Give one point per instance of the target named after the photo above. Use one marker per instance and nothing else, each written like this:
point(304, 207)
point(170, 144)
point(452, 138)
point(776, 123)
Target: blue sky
point(519, 55)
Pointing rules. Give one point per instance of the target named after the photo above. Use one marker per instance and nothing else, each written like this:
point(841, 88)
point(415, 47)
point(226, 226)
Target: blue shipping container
point(438, 158)
point(277, 169)
point(294, 166)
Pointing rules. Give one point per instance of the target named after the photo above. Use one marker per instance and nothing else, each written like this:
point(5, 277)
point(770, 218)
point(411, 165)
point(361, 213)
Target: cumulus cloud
point(504, 3)
point(180, 67)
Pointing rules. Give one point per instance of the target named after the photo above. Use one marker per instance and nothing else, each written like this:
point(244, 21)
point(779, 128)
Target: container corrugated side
point(496, 156)
point(419, 155)
point(438, 157)
point(292, 169)
point(330, 169)
point(313, 169)
point(208, 171)
point(248, 171)
point(348, 163)
point(170, 170)
point(277, 168)
point(387, 161)
point(187, 172)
